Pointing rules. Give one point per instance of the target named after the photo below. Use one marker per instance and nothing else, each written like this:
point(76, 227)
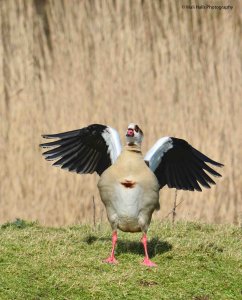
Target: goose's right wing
point(87, 150)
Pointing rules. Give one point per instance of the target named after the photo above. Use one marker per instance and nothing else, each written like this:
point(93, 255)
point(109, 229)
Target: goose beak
point(130, 132)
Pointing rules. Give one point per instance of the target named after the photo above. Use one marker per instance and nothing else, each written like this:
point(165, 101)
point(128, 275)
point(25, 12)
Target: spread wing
point(86, 150)
point(178, 165)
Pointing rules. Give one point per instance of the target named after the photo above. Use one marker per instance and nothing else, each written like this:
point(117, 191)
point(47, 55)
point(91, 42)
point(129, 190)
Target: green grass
point(195, 261)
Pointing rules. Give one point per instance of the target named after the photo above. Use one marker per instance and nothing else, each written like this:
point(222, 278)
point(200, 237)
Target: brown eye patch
point(137, 129)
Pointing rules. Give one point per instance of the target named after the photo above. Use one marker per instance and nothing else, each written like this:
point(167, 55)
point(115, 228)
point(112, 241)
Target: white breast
point(126, 201)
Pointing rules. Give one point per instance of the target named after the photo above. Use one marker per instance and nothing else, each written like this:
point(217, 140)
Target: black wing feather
point(203, 157)
point(192, 179)
point(81, 151)
point(178, 179)
point(62, 151)
point(170, 181)
point(56, 143)
point(183, 167)
point(188, 181)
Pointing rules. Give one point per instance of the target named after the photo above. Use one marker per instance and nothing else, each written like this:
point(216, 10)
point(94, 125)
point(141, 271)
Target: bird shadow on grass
point(155, 246)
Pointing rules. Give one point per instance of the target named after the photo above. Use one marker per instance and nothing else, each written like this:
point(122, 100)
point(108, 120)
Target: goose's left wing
point(178, 165)
point(86, 150)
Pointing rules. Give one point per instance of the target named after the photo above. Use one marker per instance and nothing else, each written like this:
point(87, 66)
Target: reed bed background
point(67, 64)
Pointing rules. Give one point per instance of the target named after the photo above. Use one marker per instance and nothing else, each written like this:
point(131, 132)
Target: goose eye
point(136, 128)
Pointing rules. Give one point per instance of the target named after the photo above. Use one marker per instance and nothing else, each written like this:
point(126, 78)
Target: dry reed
point(67, 64)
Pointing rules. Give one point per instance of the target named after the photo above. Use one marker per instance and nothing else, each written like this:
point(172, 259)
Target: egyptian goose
point(129, 183)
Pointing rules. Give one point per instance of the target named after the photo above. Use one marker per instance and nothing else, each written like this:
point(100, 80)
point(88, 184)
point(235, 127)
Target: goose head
point(134, 135)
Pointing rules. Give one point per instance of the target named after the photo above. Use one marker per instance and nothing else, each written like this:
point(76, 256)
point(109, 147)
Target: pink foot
point(148, 263)
point(111, 260)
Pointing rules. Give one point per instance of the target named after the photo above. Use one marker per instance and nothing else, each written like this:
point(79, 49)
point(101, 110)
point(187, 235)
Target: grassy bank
point(195, 261)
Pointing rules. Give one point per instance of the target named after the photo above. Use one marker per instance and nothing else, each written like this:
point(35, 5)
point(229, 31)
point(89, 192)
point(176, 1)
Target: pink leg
point(111, 259)
point(147, 262)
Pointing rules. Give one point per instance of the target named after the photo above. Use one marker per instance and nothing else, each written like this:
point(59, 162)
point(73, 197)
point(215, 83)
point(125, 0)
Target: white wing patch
point(112, 139)
point(155, 154)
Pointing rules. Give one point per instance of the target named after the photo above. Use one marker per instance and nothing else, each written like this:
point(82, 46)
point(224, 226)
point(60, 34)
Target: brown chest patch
point(128, 183)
